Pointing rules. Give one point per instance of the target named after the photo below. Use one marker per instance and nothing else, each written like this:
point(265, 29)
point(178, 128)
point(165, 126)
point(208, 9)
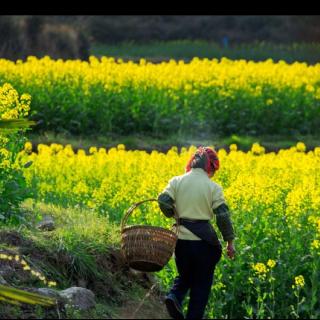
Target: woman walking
point(196, 199)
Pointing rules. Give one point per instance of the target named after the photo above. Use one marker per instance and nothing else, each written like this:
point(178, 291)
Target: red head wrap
point(211, 157)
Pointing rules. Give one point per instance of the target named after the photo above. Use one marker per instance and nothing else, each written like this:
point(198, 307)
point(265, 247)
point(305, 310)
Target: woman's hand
point(231, 250)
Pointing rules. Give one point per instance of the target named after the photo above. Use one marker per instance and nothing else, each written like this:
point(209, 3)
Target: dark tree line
point(71, 36)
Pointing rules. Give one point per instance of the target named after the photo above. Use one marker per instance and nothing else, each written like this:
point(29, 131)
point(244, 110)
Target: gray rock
point(79, 298)
point(3, 281)
point(46, 224)
point(7, 271)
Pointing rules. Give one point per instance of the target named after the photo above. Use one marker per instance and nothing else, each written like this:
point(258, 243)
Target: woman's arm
point(167, 198)
point(224, 222)
point(166, 204)
point(225, 226)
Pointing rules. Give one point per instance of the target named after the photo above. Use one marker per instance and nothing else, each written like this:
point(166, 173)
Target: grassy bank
point(82, 250)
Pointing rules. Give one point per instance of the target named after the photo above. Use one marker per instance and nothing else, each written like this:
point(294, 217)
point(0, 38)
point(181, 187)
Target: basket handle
point(130, 210)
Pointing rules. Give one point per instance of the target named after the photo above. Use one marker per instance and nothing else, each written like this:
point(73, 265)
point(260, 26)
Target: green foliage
point(158, 51)
point(13, 188)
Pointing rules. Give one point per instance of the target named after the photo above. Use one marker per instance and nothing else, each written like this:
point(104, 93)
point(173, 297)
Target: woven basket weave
point(146, 248)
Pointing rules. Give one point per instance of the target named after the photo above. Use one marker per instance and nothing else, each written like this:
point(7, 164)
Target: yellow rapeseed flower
point(28, 147)
point(233, 147)
point(317, 151)
point(315, 244)
point(301, 147)
point(269, 102)
point(93, 150)
point(271, 263)
point(121, 146)
point(260, 268)
point(257, 149)
point(299, 281)
point(52, 283)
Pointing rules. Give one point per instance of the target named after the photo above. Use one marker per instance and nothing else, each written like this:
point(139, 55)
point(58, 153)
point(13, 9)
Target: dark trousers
point(195, 261)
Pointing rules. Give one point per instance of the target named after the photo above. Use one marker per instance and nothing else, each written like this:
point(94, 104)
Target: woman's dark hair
point(199, 161)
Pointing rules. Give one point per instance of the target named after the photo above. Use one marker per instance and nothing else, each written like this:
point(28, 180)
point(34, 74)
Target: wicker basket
point(146, 248)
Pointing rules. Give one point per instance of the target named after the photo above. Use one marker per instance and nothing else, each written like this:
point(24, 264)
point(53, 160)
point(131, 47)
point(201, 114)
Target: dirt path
point(150, 306)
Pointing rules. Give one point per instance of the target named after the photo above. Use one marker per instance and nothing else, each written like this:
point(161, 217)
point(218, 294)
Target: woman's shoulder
point(216, 186)
point(181, 176)
point(175, 179)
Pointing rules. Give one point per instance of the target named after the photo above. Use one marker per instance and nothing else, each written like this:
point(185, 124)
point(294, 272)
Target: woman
point(196, 199)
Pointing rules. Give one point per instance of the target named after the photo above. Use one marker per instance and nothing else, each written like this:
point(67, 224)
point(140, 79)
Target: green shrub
point(12, 183)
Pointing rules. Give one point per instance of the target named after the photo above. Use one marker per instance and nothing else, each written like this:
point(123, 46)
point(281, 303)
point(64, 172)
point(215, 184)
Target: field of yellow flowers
point(274, 197)
point(212, 96)
point(275, 204)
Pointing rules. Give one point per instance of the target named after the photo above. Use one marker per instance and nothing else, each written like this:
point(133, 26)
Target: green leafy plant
point(13, 125)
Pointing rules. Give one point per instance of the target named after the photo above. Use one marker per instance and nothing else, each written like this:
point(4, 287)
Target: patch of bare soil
point(149, 306)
